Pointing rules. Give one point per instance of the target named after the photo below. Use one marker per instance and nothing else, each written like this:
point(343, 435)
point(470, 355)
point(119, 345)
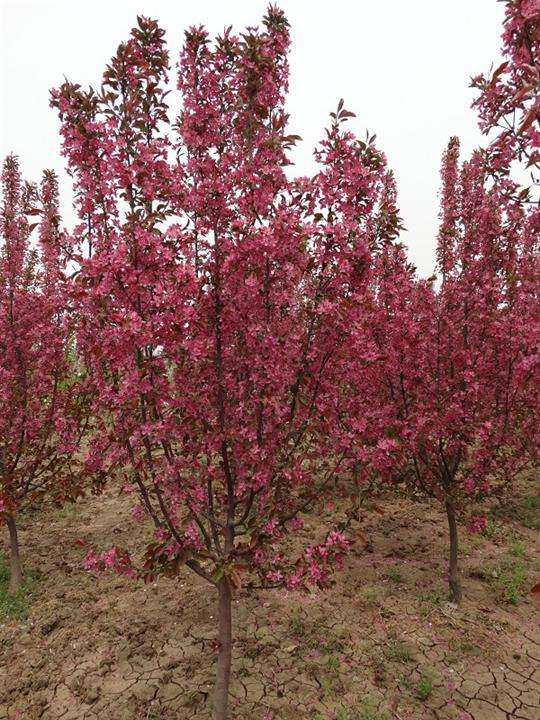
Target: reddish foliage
point(250, 336)
point(217, 300)
point(509, 99)
point(42, 394)
point(217, 297)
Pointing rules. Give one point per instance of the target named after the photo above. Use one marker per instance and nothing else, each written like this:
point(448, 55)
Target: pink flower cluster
point(112, 559)
point(477, 524)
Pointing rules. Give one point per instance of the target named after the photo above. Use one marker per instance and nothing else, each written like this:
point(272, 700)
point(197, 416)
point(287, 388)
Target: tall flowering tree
point(449, 366)
point(216, 300)
point(43, 402)
point(455, 366)
point(508, 105)
point(508, 102)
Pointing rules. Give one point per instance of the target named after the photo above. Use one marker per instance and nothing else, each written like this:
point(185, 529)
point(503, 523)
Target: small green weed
point(372, 595)
point(332, 663)
point(517, 548)
point(509, 580)
point(425, 685)
point(297, 624)
point(433, 597)
point(15, 607)
point(399, 651)
point(68, 511)
point(369, 710)
point(530, 516)
point(394, 575)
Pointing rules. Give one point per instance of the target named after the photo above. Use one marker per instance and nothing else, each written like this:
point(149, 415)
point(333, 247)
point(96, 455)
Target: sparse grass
point(330, 681)
point(492, 529)
point(68, 511)
point(424, 689)
point(425, 685)
point(372, 595)
point(530, 516)
point(327, 683)
point(156, 714)
point(297, 624)
point(333, 664)
point(517, 548)
point(243, 668)
point(252, 651)
point(394, 575)
point(526, 511)
point(399, 651)
point(460, 647)
point(508, 579)
point(433, 597)
point(404, 680)
point(368, 710)
point(192, 698)
point(15, 607)
point(334, 641)
point(378, 666)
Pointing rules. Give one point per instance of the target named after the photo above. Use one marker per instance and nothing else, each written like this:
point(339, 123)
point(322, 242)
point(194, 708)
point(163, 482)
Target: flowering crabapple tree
point(508, 103)
point(216, 299)
point(456, 366)
point(509, 113)
point(43, 401)
point(453, 366)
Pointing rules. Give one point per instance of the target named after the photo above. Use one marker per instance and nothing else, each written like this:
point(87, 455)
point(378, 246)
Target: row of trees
point(227, 341)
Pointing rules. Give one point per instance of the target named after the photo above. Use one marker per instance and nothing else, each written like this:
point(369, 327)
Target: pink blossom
point(477, 524)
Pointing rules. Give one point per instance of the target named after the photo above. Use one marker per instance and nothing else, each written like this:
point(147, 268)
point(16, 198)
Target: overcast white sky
point(402, 66)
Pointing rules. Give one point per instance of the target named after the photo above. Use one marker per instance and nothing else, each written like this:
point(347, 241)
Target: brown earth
point(383, 643)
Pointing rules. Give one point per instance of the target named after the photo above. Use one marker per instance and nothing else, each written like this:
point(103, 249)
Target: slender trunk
point(453, 570)
point(223, 675)
point(16, 573)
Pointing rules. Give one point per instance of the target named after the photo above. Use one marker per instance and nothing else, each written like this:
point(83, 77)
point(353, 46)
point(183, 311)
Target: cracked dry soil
point(382, 644)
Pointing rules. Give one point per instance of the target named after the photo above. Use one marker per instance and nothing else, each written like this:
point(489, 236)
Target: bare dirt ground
point(384, 643)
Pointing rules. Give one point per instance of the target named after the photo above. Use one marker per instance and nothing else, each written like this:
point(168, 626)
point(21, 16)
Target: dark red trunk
point(223, 675)
point(453, 570)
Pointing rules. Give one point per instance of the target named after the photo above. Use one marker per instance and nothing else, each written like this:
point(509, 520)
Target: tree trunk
point(16, 573)
point(453, 570)
point(223, 675)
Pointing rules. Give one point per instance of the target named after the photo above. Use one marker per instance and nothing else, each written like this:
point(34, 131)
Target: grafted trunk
point(223, 675)
point(453, 570)
point(16, 573)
